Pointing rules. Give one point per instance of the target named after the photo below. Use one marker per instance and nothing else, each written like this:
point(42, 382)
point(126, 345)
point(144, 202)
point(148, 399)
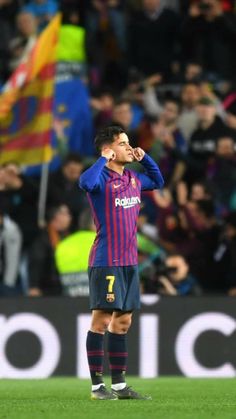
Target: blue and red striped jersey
point(115, 202)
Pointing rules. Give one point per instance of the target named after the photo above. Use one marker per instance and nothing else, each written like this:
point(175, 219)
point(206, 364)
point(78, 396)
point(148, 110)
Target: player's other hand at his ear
point(139, 153)
point(109, 154)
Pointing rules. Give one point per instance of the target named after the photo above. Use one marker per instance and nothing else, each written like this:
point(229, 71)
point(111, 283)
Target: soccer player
point(114, 196)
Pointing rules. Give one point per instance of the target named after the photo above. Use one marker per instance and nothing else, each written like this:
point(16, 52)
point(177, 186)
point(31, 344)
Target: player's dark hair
point(107, 136)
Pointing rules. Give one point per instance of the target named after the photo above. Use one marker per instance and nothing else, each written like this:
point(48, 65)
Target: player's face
point(122, 148)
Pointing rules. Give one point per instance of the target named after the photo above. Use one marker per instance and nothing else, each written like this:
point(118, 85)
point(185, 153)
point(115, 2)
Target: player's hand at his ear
point(139, 153)
point(109, 154)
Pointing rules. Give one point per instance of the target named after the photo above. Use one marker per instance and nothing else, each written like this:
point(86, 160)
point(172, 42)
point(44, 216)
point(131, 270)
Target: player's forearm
point(152, 170)
point(90, 179)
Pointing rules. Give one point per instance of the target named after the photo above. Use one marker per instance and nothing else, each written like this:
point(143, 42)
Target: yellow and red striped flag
point(26, 103)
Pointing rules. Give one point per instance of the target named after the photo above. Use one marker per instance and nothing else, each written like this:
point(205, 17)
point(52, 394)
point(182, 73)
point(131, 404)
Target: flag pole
point(43, 189)
point(43, 195)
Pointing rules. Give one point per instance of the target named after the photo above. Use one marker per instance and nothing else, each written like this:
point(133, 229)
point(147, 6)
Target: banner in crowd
point(26, 103)
point(193, 337)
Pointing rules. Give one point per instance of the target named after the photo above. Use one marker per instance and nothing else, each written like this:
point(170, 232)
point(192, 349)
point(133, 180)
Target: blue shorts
point(114, 288)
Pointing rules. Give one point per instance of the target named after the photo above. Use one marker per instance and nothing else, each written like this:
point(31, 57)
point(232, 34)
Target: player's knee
point(125, 325)
point(121, 326)
point(100, 326)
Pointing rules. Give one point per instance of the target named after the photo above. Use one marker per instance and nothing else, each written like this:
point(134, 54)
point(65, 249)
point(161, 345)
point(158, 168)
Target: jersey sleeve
point(152, 178)
point(91, 179)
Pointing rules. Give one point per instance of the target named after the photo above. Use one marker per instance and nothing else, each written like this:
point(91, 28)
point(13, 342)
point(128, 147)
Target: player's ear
point(104, 147)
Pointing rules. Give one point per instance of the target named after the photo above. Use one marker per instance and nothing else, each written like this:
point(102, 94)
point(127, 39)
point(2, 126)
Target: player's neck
point(116, 167)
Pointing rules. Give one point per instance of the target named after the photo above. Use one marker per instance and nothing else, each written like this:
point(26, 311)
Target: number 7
point(111, 279)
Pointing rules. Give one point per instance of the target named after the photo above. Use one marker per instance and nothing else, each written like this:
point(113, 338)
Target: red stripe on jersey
point(126, 235)
point(114, 223)
point(121, 225)
point(130, 244)
point(108, 223)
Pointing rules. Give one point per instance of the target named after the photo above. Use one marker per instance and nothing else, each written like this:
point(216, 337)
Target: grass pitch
point(69, 398)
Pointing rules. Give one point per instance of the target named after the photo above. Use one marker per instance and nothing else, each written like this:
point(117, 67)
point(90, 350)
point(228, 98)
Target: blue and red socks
point(95, 354)
point(118, 354)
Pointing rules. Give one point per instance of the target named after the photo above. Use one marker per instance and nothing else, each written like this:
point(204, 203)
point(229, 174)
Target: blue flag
point(73, 114)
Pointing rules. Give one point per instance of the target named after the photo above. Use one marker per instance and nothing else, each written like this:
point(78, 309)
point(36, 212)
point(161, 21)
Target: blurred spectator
point(8, 11)
point(188, 118)
point(10, 252)
point(221, 170)
point(2, 178)
point(43, 274)
point(169, 118)
point(230, 238)
point(22, 43)
point(43, 10)
point(145, 228)
point(4, 42)
point(148, 252)
point(102, 106)
point(71, 45)
point(173, 277)
point(203, 140)
point(122, 116)
point(133, 5)
point(68, 6)
point(193, 72)
point(188, 197)
point(72, 255)
point(198, 190)
point(186, 200)
point(63, 187)
point(207, 231)
point(106, 41)
point(187, 115)
point(231, 116)
point(152, 36)
point(173, 236)
point(169, 145)
point(21, 195)
point(209, 36)
point(222, 264)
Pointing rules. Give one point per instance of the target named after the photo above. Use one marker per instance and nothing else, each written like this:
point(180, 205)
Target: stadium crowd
point(166, 72)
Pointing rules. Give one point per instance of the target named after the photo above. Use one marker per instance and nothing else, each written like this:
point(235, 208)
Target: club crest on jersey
point(133, 182)
point(110, 297)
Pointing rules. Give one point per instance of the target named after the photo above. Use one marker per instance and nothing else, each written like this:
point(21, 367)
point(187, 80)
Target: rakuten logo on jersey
point(127, 202)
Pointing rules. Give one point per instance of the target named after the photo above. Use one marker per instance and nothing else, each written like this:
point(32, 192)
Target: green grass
point(69, 398)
